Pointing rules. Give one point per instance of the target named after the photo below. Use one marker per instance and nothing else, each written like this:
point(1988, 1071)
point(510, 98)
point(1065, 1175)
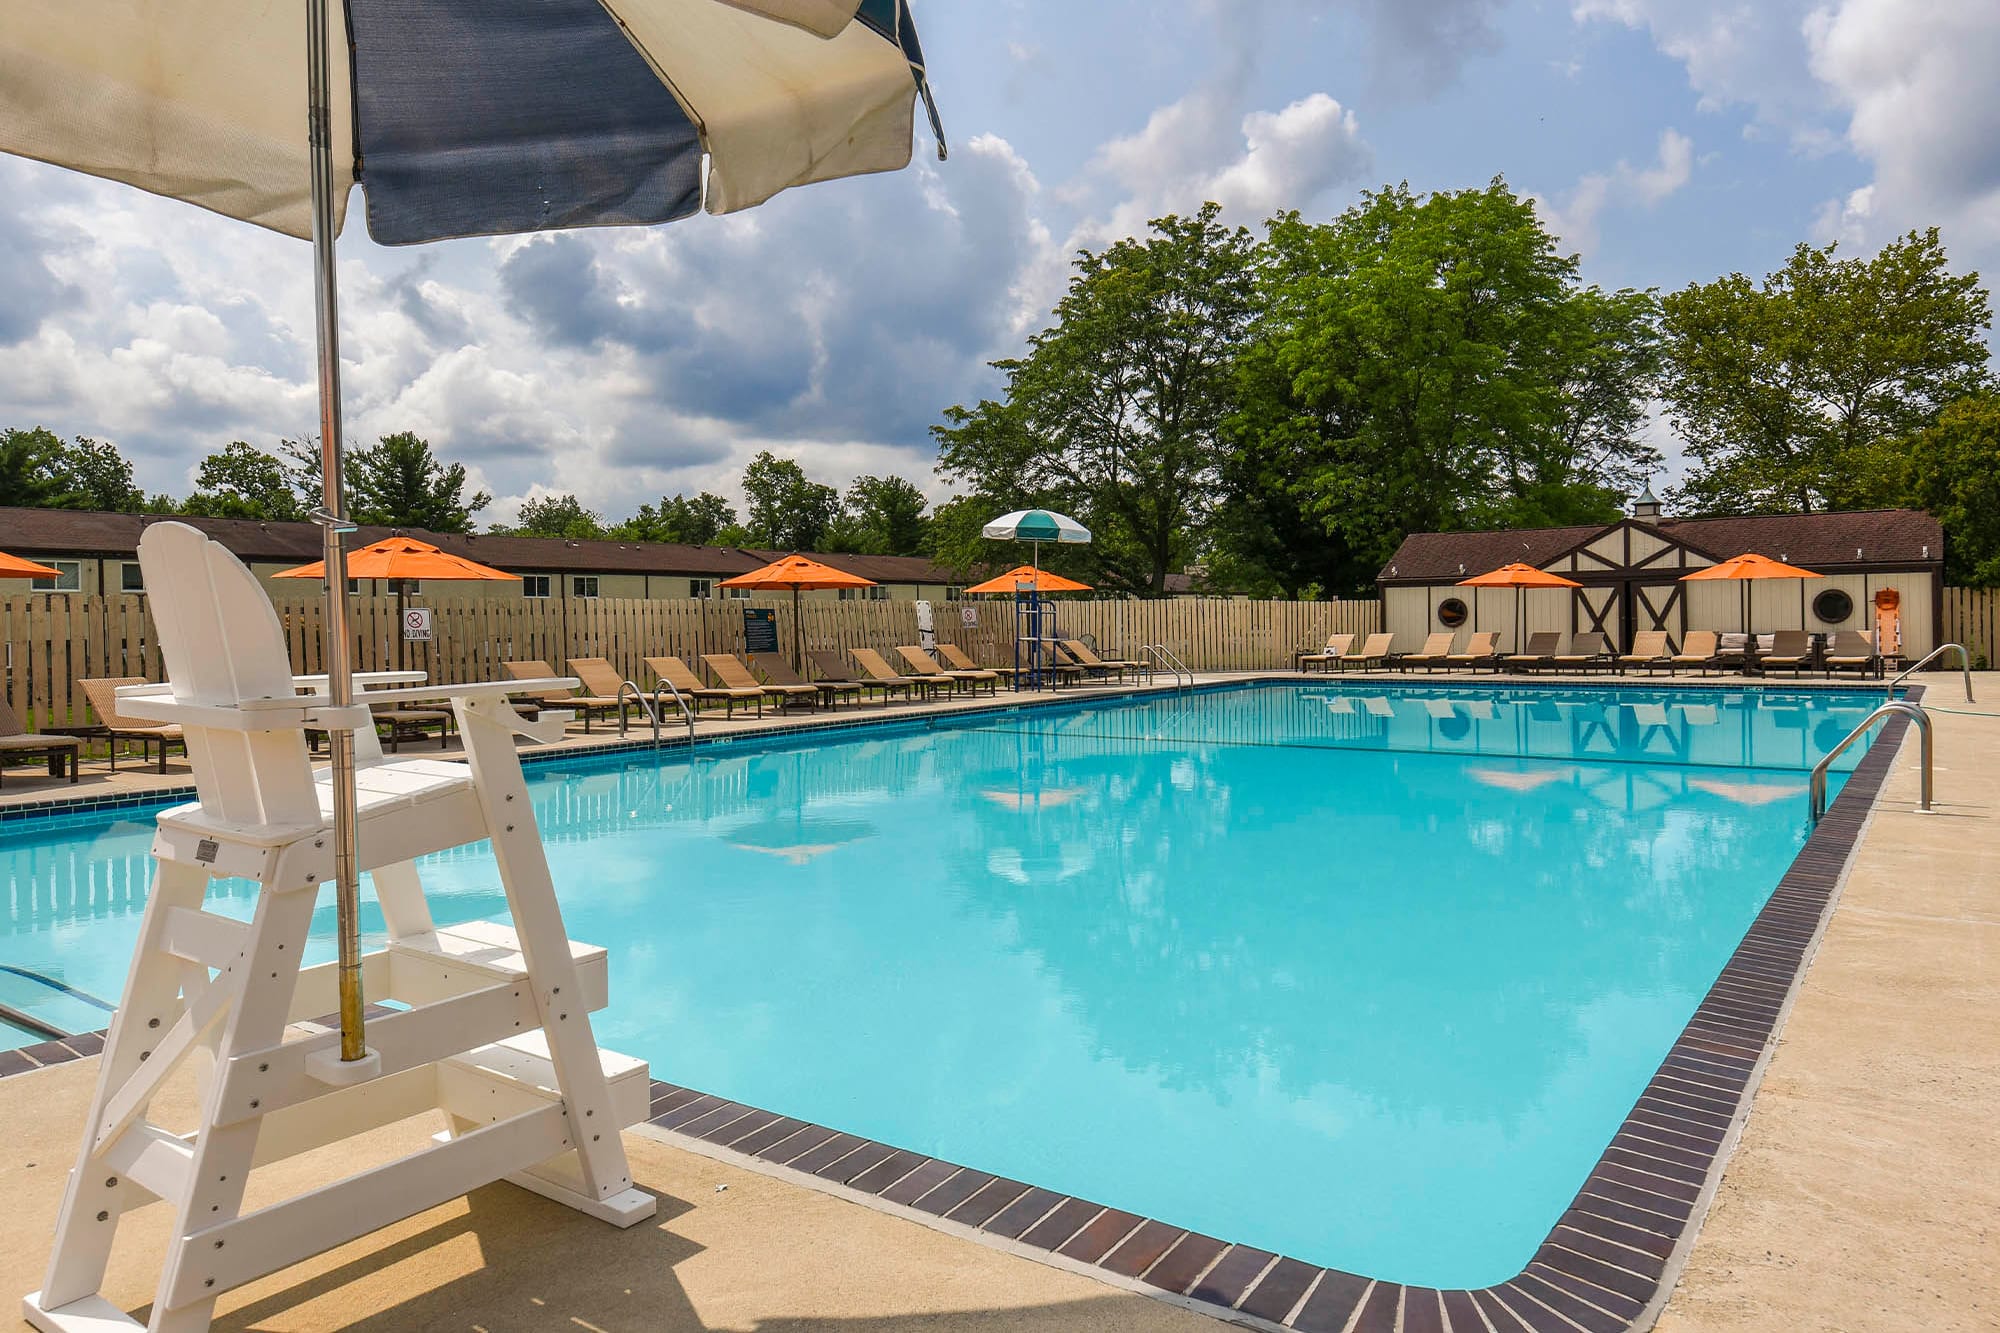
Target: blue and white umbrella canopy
point(459, 118)
point(466, 118)
point(1036, 525)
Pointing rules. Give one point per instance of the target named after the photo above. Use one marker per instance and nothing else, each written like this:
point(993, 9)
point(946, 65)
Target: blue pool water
point(1363, 975)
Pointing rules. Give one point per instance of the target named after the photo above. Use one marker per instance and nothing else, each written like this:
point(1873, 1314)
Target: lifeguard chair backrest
point(223, 645)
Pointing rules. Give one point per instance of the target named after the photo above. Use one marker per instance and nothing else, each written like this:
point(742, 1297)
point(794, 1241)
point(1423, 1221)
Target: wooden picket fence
point(1972, 617)
point(52, 640)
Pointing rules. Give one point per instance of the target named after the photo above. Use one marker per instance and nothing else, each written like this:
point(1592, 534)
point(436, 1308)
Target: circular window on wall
point(1451, 613)
point(1833, 606)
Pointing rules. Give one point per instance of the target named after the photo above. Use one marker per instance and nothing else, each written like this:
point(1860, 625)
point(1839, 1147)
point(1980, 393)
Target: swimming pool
point(1361, 974)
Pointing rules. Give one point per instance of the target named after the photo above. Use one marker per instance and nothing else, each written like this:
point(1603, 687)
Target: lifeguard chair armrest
point(156, 703)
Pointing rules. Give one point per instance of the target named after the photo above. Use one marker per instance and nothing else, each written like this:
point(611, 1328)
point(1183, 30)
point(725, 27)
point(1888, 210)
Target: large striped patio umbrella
point(459, 119)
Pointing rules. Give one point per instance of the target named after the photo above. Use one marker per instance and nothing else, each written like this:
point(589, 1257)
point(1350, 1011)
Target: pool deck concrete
point(1864, 1193)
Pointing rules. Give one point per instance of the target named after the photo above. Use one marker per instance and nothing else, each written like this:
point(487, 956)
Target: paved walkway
point(1865, 1194)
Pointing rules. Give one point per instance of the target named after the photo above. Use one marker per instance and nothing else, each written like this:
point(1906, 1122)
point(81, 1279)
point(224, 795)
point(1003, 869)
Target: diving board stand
point(493, 1037)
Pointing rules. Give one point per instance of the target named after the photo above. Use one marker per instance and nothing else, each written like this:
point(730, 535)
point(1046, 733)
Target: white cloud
point(1737, 52)
point(1575, 218)
point(1916, 77)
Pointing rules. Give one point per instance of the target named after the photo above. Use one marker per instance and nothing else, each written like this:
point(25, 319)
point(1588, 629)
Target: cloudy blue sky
point(1666, 140)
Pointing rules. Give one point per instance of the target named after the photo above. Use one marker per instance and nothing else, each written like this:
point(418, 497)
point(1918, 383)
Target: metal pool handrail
point(669, 689)
point(1892, 708)
point(652, 708)
point(1158, 655)
point(1964, 666)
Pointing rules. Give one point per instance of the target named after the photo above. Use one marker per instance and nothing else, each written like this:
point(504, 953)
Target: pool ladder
point(1894, 708)
point(655, 709)
point(1157, 657)
point(1964, 666)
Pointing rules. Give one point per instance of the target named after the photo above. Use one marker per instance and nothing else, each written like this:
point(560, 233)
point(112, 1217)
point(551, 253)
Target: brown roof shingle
point(1824, 542)
point(74, 532)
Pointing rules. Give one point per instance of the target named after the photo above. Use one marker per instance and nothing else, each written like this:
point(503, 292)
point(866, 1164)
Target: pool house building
point(1630, 576)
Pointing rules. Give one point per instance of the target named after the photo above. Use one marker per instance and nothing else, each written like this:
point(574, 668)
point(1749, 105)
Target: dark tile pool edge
point(1606, 1266)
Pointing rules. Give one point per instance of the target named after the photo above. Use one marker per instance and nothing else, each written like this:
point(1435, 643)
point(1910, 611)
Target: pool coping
point(1607, 1265)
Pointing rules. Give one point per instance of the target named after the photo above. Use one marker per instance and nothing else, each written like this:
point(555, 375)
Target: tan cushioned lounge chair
point(923, 664)
point(736, 676)
point(875, 667)
point(1337, 646)
point(58, 750)
point(1541, 650)
point(775, 669)
point(1649, 650)
point(102, 691)
point(1697, 650)
point(1483, 647)
point(1374, 652)
point(681, 676)
point(1430, 657)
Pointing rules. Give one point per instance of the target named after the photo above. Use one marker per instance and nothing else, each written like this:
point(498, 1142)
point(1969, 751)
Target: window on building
point(131, 578)
point(1451, 613)
point(954, 593)
point(878, 593)
point(69, 576)
point(1833, 607)
point(738, 594)
point(535, 585)
point(583, 585)
point(703, 588)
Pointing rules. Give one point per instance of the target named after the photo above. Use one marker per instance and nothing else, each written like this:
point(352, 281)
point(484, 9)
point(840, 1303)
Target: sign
point(968, 616)
point(760, 629)
point(417, 624)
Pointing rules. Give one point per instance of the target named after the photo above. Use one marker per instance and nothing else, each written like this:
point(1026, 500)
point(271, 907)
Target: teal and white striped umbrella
point(1037, 525)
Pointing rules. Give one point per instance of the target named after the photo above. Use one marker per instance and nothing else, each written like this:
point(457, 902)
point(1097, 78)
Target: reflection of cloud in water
point(1527, 781)
point(1033, 800)
point(800, 840)
point(1747, 793)
point(1007, 863)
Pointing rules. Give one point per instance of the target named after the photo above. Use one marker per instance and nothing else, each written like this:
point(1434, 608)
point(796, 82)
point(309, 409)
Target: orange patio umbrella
point(1746, 567)
point(1028, 576)
point(14, 567)
point(797, 572)
point(1520, 578)
point(403, 559)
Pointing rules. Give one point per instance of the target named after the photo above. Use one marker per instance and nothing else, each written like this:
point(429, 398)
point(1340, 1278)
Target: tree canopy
point(400, 483)
point(39, 469)
point(788, 510)
point(1795, 394)
point(706, 520)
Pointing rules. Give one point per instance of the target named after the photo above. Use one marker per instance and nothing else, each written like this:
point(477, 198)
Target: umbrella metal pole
point(333, 528)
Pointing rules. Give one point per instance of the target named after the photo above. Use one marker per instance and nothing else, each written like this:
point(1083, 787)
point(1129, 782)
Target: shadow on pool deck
point(761, 1255)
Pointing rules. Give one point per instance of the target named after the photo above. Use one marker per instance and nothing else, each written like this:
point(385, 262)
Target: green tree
point(30, 468)
point(1426, 363)
point(400, 483)
point(243, 481)
point(554, 516)
point(788, 510)
point(1115, 413)
point(1954, 472)
point(887, 514)
point(1795, 394)
point(697, 522)
point(38, 469)
point(95, 475)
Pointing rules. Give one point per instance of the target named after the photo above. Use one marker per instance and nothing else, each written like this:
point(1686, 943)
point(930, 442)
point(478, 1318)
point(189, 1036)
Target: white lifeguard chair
point(496, 1033)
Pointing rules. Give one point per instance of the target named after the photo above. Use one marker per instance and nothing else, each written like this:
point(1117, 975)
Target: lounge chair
point(832, 669)
point(1086, 657)
point(923, 664)
point(778, 671)
point(1734, 652)
point(1790, 648)
point(1075, 653)
point(583, 706)
point(681, 676)
point(1337, 646)
point(1588, 651)
point(102, 691)
point(1482, 649)
point(1649, 650)
point(62, 752)
point(1697, 650)
point(876, 668)
point(725, 667)
point(1541, 651)
point(1430, 657)
point(1852, 650)
point(601, 687)
point(958, 659)
point(1374, 652)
